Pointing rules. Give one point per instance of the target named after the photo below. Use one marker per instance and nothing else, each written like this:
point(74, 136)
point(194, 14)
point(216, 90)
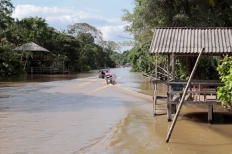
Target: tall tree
point(9, 63)
point(34, 29)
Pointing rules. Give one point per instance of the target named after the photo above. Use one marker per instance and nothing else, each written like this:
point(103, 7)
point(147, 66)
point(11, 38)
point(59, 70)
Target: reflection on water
point(131, 80)
point(80, 113)
point(36, 78)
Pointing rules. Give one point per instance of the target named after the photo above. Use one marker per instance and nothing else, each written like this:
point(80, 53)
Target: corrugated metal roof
point(30, 47)
point(192, 40)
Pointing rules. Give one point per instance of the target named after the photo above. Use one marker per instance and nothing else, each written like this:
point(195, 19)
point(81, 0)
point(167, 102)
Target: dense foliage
point(148, 14)
point(224, 93)
point(79, 47)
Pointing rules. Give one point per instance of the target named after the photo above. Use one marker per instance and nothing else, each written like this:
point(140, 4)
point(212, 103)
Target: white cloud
point(111, 32)
point(55, 14)
point(60, 18)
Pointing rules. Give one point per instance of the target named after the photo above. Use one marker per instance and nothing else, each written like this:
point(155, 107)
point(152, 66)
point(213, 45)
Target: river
point(81, 114)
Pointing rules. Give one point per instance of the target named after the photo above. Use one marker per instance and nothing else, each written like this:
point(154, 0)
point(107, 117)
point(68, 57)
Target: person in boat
point(110, 78)
point(102, 74)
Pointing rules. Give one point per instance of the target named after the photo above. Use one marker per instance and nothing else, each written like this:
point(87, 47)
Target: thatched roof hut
point(31, 46)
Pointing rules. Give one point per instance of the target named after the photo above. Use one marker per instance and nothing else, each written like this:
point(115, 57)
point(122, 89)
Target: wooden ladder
point(155, 98)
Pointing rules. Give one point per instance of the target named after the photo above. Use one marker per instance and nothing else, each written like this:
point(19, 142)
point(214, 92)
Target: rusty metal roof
point(30, 47)
point(191, 40)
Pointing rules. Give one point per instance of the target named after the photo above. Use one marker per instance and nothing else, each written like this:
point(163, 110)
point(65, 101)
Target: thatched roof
point(30, 47)
point(188, 41)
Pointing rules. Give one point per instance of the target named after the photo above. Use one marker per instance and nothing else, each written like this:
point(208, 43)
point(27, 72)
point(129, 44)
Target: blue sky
point(105, 15)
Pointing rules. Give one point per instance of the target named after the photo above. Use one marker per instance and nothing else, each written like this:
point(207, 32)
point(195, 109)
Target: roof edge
point(192, 28)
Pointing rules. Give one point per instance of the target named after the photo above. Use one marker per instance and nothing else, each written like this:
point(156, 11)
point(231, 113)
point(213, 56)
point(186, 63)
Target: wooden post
point(154, 99)
point(169, 106)
point(155, 86)
point(156, 65)
point(173, 106)
point(210, 114)
point(173, 66)
point(183, 97)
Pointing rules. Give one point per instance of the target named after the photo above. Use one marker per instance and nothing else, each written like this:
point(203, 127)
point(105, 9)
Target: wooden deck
point(201, 92)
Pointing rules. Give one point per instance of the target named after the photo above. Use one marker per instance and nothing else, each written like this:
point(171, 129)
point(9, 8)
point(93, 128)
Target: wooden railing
point(199, 90)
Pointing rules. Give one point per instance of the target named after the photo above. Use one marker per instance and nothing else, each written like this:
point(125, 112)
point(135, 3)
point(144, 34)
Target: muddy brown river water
point(81, 114)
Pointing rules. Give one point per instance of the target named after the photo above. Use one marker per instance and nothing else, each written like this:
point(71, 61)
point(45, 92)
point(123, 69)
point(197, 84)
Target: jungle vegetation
point(80, 47)
point(148, 14)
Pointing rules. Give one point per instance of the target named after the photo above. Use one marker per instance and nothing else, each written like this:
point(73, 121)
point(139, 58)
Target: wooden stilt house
point(173, 42)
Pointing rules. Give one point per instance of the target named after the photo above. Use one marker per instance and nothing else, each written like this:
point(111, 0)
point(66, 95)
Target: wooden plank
point(159, 81)
point(162, 109)
point(192, 92)
point(210, 114)
point(197, 102)
point(198, 83)
point(161, 97)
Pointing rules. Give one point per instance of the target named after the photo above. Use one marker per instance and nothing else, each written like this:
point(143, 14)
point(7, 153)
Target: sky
point(105, 15)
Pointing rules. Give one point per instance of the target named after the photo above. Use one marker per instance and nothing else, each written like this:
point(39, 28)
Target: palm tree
point(34, 29)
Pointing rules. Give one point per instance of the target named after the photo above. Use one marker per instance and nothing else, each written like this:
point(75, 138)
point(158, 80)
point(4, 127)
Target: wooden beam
point(212, 102)
point(196, 91)
point(173, 66)
point(155, 99)
point(169, 106)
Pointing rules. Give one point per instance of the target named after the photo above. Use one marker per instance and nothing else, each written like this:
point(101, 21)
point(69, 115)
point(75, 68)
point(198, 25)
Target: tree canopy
point(79, 47)
point(149, 14)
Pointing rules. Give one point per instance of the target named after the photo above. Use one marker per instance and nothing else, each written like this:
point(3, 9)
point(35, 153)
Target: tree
point(78, 29)
point(33, 29)
point(80, 46)
point(6, 21)
point(91, 43)
point(224, 93)
point(148, 14)
point(9, 62)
